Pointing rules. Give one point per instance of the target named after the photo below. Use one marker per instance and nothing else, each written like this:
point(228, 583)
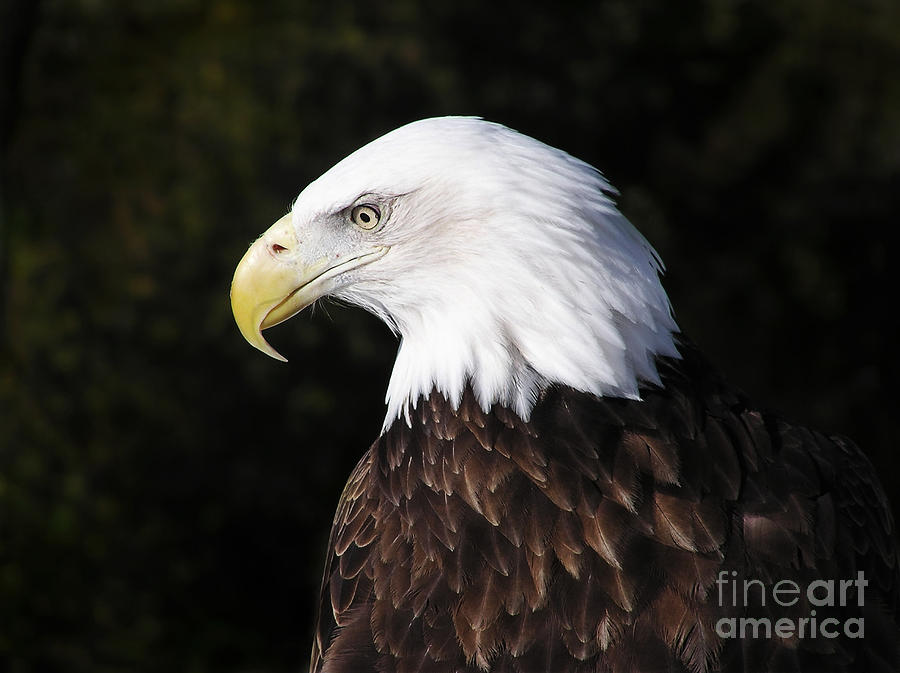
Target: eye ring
point(365, 216)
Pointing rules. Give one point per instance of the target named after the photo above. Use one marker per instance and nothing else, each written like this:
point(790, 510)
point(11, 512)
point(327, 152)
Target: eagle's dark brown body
point(591, 537)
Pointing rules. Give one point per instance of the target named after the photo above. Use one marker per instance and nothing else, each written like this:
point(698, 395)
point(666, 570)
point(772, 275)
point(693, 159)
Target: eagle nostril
point(276, 248)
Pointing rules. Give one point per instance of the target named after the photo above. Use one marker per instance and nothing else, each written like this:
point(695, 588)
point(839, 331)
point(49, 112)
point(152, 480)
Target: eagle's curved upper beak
point(272, 282)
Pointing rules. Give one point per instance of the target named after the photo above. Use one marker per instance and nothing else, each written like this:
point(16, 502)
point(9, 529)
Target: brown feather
point(482, 607)
point(653, 455)
point(605, 531)
point(589, 539)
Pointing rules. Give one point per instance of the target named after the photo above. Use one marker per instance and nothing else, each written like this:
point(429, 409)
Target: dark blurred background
point(165, 490)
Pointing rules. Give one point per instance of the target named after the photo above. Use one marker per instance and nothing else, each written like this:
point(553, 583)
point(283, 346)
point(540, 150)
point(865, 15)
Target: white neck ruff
point(510, 268)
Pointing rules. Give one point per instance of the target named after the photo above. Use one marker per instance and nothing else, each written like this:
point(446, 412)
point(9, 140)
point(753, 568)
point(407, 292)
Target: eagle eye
point(365, 216)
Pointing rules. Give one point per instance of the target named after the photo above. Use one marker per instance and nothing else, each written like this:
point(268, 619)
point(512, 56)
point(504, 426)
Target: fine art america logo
point(787, 594)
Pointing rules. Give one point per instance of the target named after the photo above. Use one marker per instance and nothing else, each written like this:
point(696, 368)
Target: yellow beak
point(272, 284)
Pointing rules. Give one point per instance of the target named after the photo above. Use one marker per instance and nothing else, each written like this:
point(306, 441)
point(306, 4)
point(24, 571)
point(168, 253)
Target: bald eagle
point(562, 482)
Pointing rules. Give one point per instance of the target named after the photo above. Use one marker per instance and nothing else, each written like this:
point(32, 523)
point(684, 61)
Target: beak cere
point(272, 282)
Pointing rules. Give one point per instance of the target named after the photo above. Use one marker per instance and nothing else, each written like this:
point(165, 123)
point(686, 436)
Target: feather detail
point(687, 633)
point(688, 525)
point(596, 545)
point(482, 607)
point(567, 543)
point(652, 455)
point(609, 630)
point(539, 565)
point(605, 531)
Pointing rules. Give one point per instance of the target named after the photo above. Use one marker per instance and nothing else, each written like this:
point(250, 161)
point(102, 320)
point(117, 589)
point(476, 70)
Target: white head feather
point(510, 268)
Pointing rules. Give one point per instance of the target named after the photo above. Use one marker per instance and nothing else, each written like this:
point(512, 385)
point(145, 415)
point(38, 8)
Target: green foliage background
point(166, 491)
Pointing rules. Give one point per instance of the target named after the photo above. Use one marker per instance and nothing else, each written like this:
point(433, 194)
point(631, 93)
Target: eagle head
point(502, 264)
